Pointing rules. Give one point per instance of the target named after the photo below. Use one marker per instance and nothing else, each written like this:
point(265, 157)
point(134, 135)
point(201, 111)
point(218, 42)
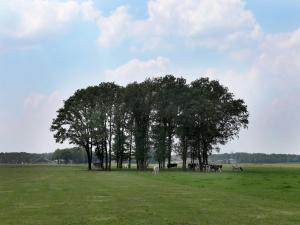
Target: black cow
point(172, 165)
point(192, 166)
point(216, 168)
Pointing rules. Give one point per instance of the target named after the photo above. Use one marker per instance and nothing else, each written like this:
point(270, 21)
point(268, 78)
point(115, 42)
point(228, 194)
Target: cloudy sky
point(50, 48)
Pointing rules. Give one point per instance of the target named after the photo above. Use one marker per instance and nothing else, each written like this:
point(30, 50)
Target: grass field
point(40, 195)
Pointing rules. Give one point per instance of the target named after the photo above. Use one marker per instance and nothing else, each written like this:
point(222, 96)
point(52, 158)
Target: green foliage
point(139, 99)
point(143, 119)
point(74, 121)
point(165, 114)
point(70, 155)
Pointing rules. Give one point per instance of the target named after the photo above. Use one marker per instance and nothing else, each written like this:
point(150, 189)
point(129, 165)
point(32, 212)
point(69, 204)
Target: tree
point(217, 116)
point(139, 100)
point(144, 119)
point(74, 123)
point(120, 120)
point(184, 125)
point(75, 155)
point(167, 90)
point(108, 94)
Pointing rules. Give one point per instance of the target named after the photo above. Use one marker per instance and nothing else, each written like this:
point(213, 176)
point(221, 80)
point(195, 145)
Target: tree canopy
point(150, 118)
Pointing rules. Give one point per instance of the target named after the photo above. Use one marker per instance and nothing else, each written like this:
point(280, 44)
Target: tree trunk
point(169, 148)
point(87, 149)
point(205, 153)
point(104, 143)
point(121, 158)
point(141, 142)
point(184, 153)
point(106, 154)
point(109, 141)
point(130, 150)
point(198, 150)
point(91, 152)
point(122, 146)
point(102, 156)
point(192, 154)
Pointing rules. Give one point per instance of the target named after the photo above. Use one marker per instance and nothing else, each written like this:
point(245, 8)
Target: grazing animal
point(192, 166)
point(155, 170)
point(172, 165)
point(197, 167)
point(207, 168)
point(220, 169)
point(236, 167)
point(216, 168)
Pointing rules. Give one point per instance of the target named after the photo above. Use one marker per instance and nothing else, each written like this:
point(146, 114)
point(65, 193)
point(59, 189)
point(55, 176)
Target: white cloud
point(196, 22)
point(272, 95)
point(137, 70)
point(26, 23)
point(30, 130)
point(35, 18)
point(89, 11)
point(213, 23)
point(280, 56)
point(115, 27)
point(279, 70)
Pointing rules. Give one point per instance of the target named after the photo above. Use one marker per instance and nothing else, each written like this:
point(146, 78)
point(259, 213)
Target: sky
point(50, 48)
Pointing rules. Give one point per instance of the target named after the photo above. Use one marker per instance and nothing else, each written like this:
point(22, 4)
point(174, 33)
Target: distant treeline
point(70, 155)
point(67, 155)
point(241, 157)
point(77, 155)
point(23, 157)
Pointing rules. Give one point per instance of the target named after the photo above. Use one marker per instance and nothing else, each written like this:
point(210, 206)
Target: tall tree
point(108, 99)
point(217, 116)
point(108, 93)
point(167, 89)
point(139, 100)
point(120, 120)
point(184, 124)
point(73, 122)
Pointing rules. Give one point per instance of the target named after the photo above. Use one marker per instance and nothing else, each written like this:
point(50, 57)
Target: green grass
point(42, 195)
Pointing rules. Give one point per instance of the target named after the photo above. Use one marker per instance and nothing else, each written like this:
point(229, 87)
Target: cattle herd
point(194, 166)
point(206, 168)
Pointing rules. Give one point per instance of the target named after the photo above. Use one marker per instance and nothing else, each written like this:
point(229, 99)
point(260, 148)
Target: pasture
point(44, 195)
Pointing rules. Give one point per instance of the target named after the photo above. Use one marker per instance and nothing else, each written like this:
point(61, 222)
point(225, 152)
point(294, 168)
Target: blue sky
point(49, 48)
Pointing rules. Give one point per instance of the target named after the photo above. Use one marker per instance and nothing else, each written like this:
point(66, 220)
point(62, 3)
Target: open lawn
point(40, 195)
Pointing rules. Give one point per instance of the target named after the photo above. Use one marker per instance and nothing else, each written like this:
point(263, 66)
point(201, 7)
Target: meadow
point(44, 195)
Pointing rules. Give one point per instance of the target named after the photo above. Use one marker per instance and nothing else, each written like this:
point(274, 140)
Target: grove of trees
point(69, 155)
point(160, 116)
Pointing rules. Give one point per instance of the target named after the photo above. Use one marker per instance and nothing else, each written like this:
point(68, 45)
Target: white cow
point(155, 170)
point(237, 167)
